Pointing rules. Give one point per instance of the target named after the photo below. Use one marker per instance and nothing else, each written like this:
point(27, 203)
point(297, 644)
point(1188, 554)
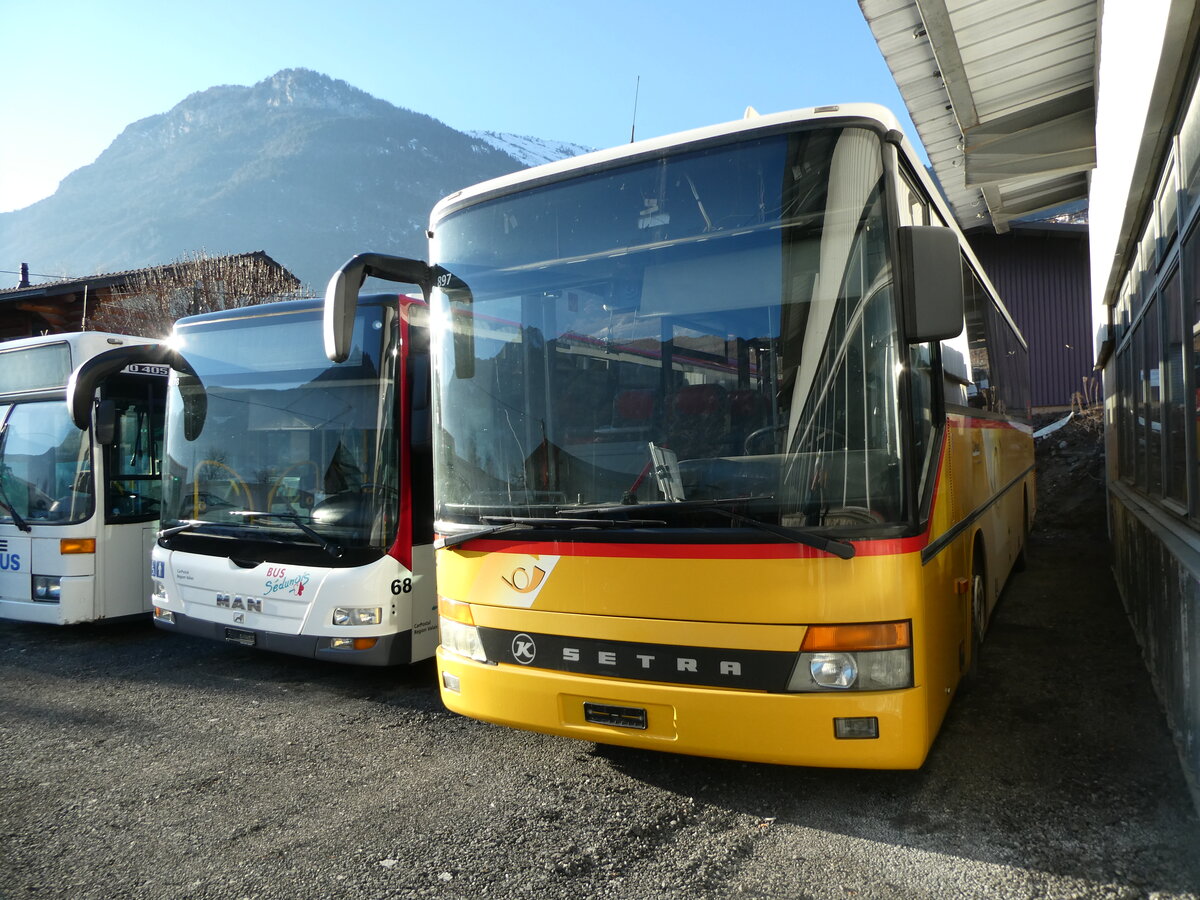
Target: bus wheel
point(978, 615)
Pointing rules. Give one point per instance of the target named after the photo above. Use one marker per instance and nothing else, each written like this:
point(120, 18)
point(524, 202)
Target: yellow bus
point(732, 446)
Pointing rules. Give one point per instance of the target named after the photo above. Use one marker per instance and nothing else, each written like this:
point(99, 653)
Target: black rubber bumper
point(389, 649)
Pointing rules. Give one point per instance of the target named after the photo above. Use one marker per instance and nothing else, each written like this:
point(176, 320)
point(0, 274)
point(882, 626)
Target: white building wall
point(1131, 33)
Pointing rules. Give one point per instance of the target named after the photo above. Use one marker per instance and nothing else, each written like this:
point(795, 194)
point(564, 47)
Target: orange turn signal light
point(857, 636)
point(455, 610)
point(77, 545)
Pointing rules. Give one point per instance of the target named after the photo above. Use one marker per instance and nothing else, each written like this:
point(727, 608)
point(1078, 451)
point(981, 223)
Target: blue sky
point(74, 73)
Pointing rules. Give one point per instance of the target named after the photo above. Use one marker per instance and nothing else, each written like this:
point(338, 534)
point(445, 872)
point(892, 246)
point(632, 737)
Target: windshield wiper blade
point(572, 520)
point(461, 537)
point(5, 502)
point(497, 524)
point(626, 508)
point(177, 529)
point(840, 549)
point(333, 548)
point(16, 517)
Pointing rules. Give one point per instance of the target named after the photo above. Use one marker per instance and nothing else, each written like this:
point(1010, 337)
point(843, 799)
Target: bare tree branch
point(154, 298)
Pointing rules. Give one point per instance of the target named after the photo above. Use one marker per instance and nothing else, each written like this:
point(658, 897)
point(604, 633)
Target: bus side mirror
point(341, 300)
point(421, 425)
point(89, 375)
point(931, 287)
point(463, 324)
point(341, 294)
point(104, 423)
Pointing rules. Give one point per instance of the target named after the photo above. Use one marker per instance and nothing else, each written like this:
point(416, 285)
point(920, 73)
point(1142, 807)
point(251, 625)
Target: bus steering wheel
point(236, 481)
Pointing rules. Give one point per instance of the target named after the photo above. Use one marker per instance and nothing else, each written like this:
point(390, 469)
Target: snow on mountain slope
point(530, 151)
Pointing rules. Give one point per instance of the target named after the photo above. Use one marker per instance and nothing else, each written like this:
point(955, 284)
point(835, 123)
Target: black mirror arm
point(341, 294)
point(87, 377)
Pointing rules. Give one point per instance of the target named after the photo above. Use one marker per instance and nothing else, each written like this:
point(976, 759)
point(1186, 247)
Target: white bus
point(78, 509)
point(297, 494)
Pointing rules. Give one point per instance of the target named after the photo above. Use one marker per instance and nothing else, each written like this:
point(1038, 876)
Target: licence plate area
point(616, 716)
point(659, 718)
point(240, 636)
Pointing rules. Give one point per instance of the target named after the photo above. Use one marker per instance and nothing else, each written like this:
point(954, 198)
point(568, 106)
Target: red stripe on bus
point(885, 547)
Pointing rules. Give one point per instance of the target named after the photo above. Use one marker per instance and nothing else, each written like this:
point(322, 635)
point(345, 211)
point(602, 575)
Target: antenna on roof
point(636, 88)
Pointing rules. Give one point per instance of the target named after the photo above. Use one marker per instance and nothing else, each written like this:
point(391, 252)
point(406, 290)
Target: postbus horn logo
point(524, 582)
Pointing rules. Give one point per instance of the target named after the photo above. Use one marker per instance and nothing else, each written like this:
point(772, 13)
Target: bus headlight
point(47, 588)
point(158, 593)
point(357, 615)
point(874, 656)
point(833, 670)
point(458, 633)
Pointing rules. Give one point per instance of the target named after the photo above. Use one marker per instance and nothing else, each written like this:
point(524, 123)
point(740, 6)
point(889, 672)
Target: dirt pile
point(1070, 476)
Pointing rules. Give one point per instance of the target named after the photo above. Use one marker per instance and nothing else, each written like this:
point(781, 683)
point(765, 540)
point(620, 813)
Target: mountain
point(530, 151)
point(300, 165)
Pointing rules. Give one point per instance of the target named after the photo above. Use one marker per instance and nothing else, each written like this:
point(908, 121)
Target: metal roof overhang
point(1002, 95)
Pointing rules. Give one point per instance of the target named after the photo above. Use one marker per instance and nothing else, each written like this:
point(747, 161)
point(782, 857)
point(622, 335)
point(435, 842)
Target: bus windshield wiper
point(461, 537)
point(333, 548)
point(626, 508)
point(497, 524)
point(6, 505)
point(177, 529)
point(5, 502)
point(840, 549)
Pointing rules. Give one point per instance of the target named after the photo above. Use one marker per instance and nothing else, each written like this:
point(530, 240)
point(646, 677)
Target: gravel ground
point(144, 765)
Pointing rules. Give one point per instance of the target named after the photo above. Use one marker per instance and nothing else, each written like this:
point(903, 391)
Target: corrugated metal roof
point(1002, 94)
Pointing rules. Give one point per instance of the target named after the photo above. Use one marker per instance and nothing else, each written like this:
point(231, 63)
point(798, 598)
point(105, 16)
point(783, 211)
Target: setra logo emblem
point(524, 650)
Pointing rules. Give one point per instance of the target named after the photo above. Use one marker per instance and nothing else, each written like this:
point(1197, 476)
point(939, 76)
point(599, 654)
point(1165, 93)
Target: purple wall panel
point(1042, 277)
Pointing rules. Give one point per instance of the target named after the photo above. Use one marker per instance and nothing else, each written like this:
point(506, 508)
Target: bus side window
point(981, 391)
point(913, 208)
point(134, 484)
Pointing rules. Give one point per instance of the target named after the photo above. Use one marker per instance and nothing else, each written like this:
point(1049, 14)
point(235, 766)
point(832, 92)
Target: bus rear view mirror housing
point(930, 283)
point(82, 385)
point(104, 428)
point(341, 300)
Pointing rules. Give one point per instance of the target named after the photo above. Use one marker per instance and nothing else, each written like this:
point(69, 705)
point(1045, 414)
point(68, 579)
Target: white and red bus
point(296, 493)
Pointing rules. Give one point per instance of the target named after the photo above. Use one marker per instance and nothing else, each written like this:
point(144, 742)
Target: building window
point(1189, 141)
point(1175, 406)
point(1150, 399)
point(1126, 466)
point(1167, 208)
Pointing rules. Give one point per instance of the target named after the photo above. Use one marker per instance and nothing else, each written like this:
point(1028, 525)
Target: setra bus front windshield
point(274, 428)
point(713, 325)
